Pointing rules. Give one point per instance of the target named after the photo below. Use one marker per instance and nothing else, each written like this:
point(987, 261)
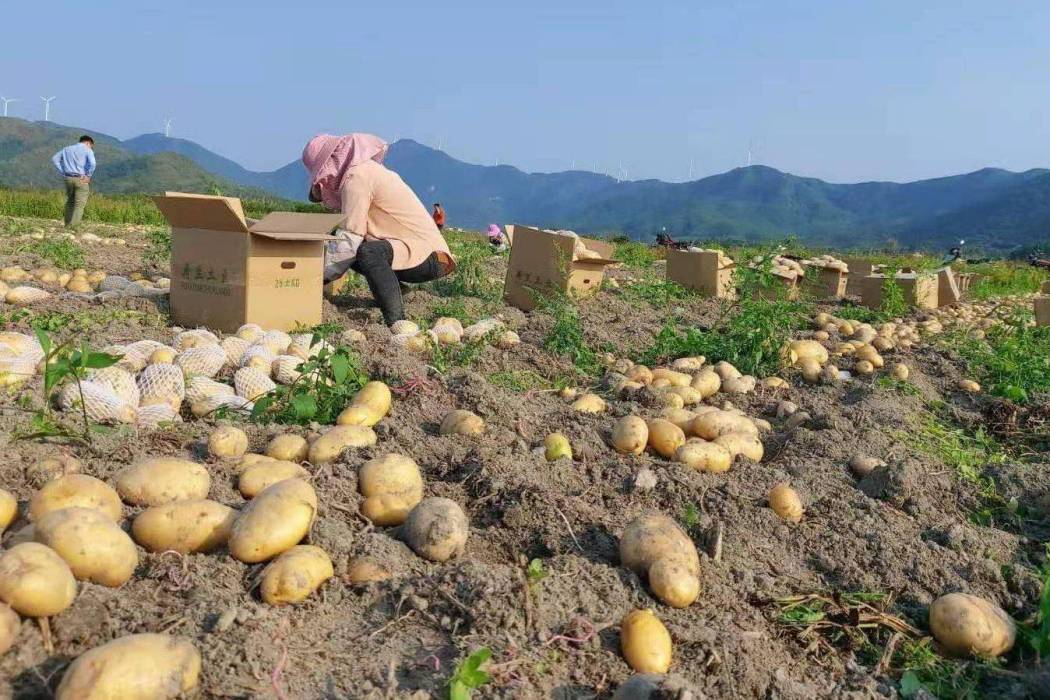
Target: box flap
point(205, 212)
point(295, 226)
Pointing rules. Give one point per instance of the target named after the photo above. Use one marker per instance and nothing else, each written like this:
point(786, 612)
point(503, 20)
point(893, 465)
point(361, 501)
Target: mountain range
point(995, 209)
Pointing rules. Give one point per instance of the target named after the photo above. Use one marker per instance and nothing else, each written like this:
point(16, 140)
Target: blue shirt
point(75, 161)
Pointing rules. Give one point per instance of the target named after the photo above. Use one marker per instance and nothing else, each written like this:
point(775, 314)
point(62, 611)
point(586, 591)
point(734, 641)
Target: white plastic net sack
point(250, 383)
point(162, 384)
point(249, 332)
point(155, 416)
point(286, 368)
point(234, 348)
point(204, 361)
point(195, 338)
point(119, 380)
point(99, 402)
point(200, 388)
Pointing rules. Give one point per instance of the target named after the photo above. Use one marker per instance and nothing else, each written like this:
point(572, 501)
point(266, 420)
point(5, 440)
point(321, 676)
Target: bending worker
point(390, 237)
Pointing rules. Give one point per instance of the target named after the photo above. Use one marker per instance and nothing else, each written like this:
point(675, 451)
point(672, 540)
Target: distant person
point(390, 237)
point(439, 216)
point(76, 164)
point(496, 238)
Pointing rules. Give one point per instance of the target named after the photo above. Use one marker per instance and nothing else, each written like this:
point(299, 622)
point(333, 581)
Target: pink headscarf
point(329, 158)
point(494, 231)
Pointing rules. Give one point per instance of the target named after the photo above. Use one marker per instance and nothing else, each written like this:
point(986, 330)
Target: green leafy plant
point(1036, 633)
point(1012, 360)
point(636, 254)
point(566, 336)
point(535, 572)
point(158, 246)
point(60, 252)
point(691, 517)
point(923, 669)
point(325, 385)
point(469, 676)
point(63, 364)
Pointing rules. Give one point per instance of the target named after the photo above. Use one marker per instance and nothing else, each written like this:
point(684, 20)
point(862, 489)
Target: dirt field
point(906, 531)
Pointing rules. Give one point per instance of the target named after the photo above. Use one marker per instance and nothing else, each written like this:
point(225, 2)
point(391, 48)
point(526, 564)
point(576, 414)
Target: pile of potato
point(826, 262)
point(687, 381)
point(780, 266)
point(449, 331)
point(82, 238)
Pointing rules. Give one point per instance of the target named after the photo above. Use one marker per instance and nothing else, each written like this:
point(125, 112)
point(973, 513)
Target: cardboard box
point(226, 272)
point(701, 271)
point(1042, 310)
point(1044, 288)
point(783, 288)
point(859, 268)
point(948, 291)
point(920, 290)
point(541, 262)
point(825, 282)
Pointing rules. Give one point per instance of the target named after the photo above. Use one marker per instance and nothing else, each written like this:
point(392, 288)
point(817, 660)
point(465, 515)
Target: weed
point(325, 385)
point(691, 517)
point(523, 380)
point(1036, 633)
point(635, 254)
point(158, 246)
point(925, 670)
point(60, 252)
point(452, 307)
point(1012, 360)
point(893, 303)
point(566, 336)
point(654, 291)
point(1002, 279)
point(898, 385)
point(469, 278)
point(445, 357)
point(535, 572)
point(469, 676)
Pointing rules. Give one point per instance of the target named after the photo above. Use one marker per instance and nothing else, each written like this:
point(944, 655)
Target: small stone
point(645, 480)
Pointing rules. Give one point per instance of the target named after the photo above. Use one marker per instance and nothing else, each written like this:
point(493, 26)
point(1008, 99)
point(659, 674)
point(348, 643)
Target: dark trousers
point(374, 260)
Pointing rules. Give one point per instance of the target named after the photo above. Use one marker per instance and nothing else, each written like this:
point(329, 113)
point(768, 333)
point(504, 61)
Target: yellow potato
point(665, 437)
point(667, 399)
point(673, 583)
point(739, 385)
point(786, 503)
point(689, 364)
point(861, 465)
point(332, 444)
point(809, 349)
point(966, 625)
point(589, 403)
point(376, 397)
point(35, 581)
point(436, 529)
point(630, 435)
point(640, 374)
point(864, 368)
point(228, 442)
point(8, 509)
point(712, 424)
point(645, 642)
point(274, 522)
point(725, 370)
point(10, 624)
point(674, 377)
point(361, 570)
point(160, 480)
point(810, 369)
point(358, 415)
point(163, 356)
point(556, 446)
point(652, 537)
point(688, 394)
point(288, 448)
point(774, 383)
point(392, 486)
point(48, 468)
point(461, 422)
point(75, 490)
point(258, 477)
point(184, 526)
point(295, 574)
point(707, 382)
point(135, 667)
point(680, 417)
point(747, 444)
point(900, 371)
point(705, 456)
point(969, 386)
point(251, 459)
point(94, 547)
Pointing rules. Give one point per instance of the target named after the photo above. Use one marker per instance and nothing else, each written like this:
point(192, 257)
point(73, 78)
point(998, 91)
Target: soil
point(905, 530)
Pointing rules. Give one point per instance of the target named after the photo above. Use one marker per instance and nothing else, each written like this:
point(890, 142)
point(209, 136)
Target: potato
point(332, 444)
point(163, 356)
point(688, 394)
point(900, 371)
point(867, 352)
point(652, 537)
point(665, 437)
point(228, 442)
point(8, 509)
point(436, 529)
point(136, 667)
point(295, 574)
point(48, 468)
point(94, 547)
point(288, 448)
point(745, 444)
point(251, 459)
point(274, 522)
point(712, 424)
point(673, 582)
point(10, 625)
point(707, 382)
point(259, 477)
point(392, 486)
point(689, 364)
point(161, 480)
point(725, 370)
point(785, 502)
point(556, 446)
point(668, 400)
point(75, 490)
point(35, 581)
point(862, 465)
point(774, 383)
point(630, 435)
point(966, 625)
point(808, 349)
point(589, 403)
point(361, 570)
point(645, 642)
point(462, 422)
point(368, 407)
point(184, 526)
point(704, 456)
point(680, 417)
point(673, 377)
point(739, 385)
point(810, 370)
point(969, 386)
point(864, 368)
point(640, 374)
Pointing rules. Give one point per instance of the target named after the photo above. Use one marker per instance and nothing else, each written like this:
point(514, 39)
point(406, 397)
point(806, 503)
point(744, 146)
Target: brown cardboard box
point(784, 287)
point(542, 262)
point(225, 272)
point(825, 282)
point(920, 290)
point(1045, 287)
point(859, 268)
point(1042, 310)
point(948, 291)
point(701, 271)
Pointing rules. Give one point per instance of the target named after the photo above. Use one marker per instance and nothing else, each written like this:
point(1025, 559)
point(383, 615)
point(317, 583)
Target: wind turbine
point(751, 148)
point(690, 170)
point(167, 126)
point(47, 107)
point(7, 101)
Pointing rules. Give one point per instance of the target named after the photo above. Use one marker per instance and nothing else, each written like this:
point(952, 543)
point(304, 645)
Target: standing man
point(439, 216)
point(76, 164)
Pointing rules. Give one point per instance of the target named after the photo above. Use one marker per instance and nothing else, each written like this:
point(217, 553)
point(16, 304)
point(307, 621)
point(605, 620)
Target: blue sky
point(842, 90)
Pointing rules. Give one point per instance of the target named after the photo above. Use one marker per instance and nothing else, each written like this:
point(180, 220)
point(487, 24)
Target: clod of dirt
point(645, 480)
point(656, 686)
point(893, 483)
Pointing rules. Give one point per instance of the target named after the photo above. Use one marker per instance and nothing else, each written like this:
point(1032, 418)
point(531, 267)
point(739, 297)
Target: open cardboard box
point(825, 282)
point(541, 262)
point(701, 271)
point(859, 268)
point(1042, 310)
point(948, 291)
point(227, 271)
point(919, 289)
